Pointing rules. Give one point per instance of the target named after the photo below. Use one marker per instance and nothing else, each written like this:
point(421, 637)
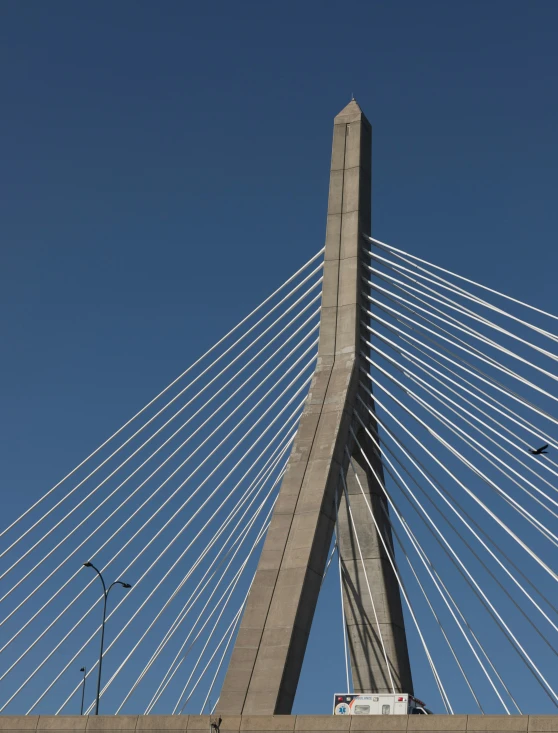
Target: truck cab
point(349, 703)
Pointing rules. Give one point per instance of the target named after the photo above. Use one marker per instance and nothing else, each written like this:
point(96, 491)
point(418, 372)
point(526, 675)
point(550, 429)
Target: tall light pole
point(83, 669)
point(106, 591)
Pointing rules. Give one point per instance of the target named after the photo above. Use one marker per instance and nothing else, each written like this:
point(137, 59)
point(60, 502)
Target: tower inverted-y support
point(268, 654)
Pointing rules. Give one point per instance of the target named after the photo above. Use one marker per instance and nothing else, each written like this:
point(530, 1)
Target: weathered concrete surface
point(256, 723)
point(268, 654)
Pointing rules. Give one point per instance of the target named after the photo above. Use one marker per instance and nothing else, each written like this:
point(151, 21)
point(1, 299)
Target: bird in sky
point(540, 451)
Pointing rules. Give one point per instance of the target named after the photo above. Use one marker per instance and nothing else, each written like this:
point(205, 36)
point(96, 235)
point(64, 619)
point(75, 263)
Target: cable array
point(176, 503)
point(457, 401)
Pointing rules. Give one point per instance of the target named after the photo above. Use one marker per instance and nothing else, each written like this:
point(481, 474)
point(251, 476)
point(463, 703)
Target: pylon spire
point(267, 658)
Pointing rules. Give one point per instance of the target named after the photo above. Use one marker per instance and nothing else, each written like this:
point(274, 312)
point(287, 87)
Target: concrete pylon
point(268, 654)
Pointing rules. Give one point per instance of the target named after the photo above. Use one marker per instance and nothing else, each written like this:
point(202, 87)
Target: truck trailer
point(348, 703)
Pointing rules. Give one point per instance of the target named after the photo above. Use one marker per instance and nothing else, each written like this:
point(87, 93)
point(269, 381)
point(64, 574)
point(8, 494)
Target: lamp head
point(87, 565)
point(126, 585)
point(82, 669)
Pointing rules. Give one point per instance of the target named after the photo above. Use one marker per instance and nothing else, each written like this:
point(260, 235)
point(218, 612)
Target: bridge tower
point(268, 654)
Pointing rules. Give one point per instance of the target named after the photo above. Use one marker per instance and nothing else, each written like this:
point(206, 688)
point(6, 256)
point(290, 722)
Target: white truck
point(348, 703)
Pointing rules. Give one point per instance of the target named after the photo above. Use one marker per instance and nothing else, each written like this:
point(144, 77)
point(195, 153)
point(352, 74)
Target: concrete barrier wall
point(281, 723)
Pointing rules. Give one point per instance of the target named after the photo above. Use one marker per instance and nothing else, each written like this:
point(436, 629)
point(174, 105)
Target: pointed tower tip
point(349, 113)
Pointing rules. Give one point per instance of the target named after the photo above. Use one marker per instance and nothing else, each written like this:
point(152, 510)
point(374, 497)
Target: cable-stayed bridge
point(364, 443)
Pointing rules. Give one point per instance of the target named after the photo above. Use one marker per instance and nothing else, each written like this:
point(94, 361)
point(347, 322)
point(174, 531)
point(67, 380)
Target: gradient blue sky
point(165, 166)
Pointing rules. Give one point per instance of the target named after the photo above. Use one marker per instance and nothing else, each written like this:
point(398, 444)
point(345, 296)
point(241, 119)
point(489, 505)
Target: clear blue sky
point(164, 166)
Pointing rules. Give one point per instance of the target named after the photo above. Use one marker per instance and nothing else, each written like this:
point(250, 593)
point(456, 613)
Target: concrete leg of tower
point(371, 640)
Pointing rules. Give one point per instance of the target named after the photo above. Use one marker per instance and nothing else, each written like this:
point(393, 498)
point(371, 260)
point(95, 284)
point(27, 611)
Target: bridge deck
point(261, 723)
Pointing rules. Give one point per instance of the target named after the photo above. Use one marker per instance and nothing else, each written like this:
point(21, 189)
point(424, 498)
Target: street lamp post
point(106, 591)
point(83, 688)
